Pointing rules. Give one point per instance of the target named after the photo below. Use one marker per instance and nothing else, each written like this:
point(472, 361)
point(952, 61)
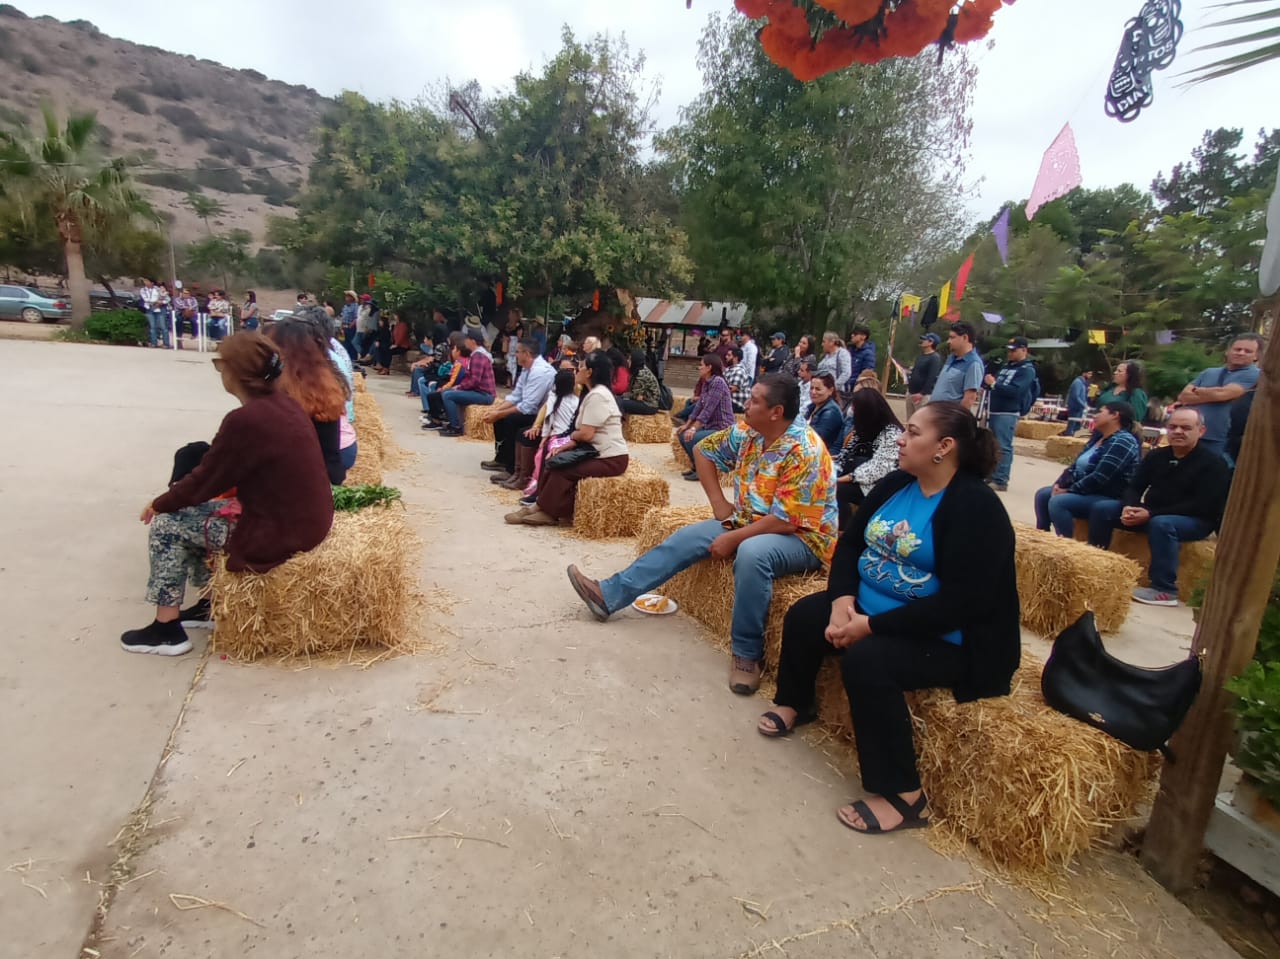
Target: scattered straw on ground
point(1038, 429)
point(1058, 579)
point(613, 506)
point(647, 429)
point(306, 607)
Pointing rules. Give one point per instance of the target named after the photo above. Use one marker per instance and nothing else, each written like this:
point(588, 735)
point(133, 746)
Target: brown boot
point(524, 468)
point(744, 675)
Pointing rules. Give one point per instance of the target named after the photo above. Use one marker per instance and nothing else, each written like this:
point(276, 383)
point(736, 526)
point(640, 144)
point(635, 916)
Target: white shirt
point(751, 358)
point(562, 420)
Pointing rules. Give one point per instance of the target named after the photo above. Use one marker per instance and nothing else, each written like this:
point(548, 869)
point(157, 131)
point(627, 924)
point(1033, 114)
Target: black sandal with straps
point(910, 813)
point(780, 728)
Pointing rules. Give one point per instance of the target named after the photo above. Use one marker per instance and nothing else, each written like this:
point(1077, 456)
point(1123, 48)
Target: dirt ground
point(532, 784)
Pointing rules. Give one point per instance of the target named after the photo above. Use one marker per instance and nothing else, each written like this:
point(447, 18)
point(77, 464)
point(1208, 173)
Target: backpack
point(665, 400)
point(1033, 393)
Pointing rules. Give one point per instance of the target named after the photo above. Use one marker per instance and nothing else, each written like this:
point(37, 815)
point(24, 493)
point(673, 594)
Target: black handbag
point(579, 454)
point(1140, 707)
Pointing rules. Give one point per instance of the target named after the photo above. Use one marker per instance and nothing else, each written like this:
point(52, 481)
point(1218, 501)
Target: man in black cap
point(1012, 393)
point(778, 353)
point(924, 373)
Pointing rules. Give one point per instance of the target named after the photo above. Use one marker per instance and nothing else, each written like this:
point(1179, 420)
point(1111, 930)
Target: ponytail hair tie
point(274, 367)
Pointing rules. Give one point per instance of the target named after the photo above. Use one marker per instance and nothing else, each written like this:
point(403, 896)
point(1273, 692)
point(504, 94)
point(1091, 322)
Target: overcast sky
point(1049, 65)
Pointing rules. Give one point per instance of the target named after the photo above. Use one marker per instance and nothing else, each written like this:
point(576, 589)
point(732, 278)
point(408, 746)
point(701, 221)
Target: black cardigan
point(973, 546)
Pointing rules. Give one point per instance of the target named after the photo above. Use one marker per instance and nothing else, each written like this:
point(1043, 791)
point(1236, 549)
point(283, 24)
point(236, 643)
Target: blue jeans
point(1003, 426)
point(1165, 536)
point(698, 437)
point(1064, 509)
point(455, 398)
point(158, 327)
point(348, 455)
point(759, 561)
point(416, 374)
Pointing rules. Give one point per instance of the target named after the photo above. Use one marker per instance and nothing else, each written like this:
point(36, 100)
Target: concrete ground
point(534, 784)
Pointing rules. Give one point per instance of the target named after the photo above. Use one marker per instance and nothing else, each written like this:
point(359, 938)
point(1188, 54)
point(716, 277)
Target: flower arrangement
point(814, 37)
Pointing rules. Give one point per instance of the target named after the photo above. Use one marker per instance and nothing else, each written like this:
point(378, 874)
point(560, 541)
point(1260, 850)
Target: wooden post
point(1245, 560)
point(893, 333)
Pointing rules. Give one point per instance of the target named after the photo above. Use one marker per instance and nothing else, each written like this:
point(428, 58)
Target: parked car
point(279, 315)
point(100, 299)
point(25, 303)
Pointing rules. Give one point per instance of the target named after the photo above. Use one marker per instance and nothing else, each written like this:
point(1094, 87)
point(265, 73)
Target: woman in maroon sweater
point(266, 466)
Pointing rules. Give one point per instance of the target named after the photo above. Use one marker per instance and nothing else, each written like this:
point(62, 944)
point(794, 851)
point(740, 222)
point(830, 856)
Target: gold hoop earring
point(938, 458)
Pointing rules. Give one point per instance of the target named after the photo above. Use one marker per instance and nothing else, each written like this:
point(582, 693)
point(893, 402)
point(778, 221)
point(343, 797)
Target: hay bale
point(356, 589)
point(369, 425)
point(608, 506)
point(1058, 579)
point(474, 427)
point(367, 469)
point(1195, 560)
point(647, 429)
point(705, 589)
point(1038, 429)
point(357, 381)
point(681, 462)
point(1064, 449)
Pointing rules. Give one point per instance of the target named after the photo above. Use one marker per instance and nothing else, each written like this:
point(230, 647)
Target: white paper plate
point(669, 607)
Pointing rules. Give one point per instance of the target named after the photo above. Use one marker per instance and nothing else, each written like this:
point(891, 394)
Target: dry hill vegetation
point(195, 125)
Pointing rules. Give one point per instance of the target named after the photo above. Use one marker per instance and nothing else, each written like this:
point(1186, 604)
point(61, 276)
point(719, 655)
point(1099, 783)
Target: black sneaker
point(450, 431)
point(197, 616)
point(163, 639)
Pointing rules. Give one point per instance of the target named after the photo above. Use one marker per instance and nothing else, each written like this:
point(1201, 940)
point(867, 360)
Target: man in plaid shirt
point(738, 378)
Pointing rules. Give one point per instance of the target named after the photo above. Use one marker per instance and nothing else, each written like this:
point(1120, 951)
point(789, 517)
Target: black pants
point(506, 433)
point(877, 671)
point(636, 407)
point(849, 497)
point(435, 405)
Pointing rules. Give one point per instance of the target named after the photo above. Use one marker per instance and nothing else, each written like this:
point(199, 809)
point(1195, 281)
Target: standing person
point(738, 375)
point(476, 387)
point(598, 424)
point(835, 360)
point(350, 312)
point(924, 373)
point(366, 328)
point(1099, 474)
point(249, 319)
point(778, 353)
point(712, 413)
point(219, 315)
point(1217, 389)
point(782, 520)
point(187, 310)
point(1177, 495)
point(961, 375)
point(538, 333)
point(724, 344)
point(862, 353)
point(1077, 402)
point(512, 462)
point(907, 608)
point(157, 325)
point(750, 359)
point(267, 452)
point(1012, 393)
point(1126, 385)
point(824, 414)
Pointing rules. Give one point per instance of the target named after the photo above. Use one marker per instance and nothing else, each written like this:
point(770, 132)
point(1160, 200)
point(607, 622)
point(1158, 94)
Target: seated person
point(268, 453)
point(553, 427)
point(621, 372)
point(782, 520)
point(316, 384)
point(426, 369)
point(739, 379)
point(512, 461)
point(681, 416)
point(712, 413)
point(1100, 473)
point(433, 413)
point(643, 395)
point(870, 450)
point(476, 387)
point(824, 411)
point(1177, 495)
point(906, 608)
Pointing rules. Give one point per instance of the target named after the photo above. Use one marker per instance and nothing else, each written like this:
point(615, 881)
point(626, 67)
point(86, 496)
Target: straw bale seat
point(1064, 449)
point(474, 427)
point(357, 382)
point(1038, 429)
point(1058, 579)
point(356, 589)
point(1195, 560)
point(681, 462)
point(1028, 786)
point(609, 506)
point(655, 428)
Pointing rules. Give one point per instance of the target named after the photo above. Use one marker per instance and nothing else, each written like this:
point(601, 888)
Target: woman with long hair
point(824, 414)
point(1126, 385)
point(555, 423)
point(259, 491)
point(621, 372)
point(870, 451)
point(643, 395)
point(806, 347)
point(598, 424)
point(249, 319)
point(711, 413)
point(312, 379)
point(907, 607)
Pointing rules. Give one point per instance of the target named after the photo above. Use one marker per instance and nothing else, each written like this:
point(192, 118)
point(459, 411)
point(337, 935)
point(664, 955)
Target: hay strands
point(186, 903)
point(458, 838)
point(661, 812)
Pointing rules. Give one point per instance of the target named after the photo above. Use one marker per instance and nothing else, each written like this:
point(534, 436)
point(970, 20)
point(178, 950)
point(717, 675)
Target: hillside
point(196, 125)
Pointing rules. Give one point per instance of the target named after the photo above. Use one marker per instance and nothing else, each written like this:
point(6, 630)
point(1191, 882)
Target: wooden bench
point(1028, 786)
point(1058, 579)
point(1195, 560)
point(612, 506)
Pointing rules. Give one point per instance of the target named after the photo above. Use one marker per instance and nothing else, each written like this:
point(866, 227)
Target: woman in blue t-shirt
point(922, 594)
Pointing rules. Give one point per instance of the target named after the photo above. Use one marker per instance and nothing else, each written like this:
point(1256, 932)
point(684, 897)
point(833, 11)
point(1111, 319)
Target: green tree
point(813, 198)
point(224, 254)
point(205, 207)
point(60, 172)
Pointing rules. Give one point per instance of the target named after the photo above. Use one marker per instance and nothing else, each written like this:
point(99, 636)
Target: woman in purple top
point(712, 413)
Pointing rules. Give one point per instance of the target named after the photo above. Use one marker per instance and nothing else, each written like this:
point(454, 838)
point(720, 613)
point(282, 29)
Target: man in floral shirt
point(782, 520)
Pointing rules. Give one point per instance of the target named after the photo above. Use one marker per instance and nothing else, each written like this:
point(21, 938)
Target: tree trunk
point(77, 282)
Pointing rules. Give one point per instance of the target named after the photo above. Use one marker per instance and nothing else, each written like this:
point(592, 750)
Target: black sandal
point(780, 728)
point(910, 813)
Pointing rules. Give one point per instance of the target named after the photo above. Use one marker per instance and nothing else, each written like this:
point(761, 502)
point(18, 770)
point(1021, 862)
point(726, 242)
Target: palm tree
point(1267, 40)
point(64, 173)
point(205, 207)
